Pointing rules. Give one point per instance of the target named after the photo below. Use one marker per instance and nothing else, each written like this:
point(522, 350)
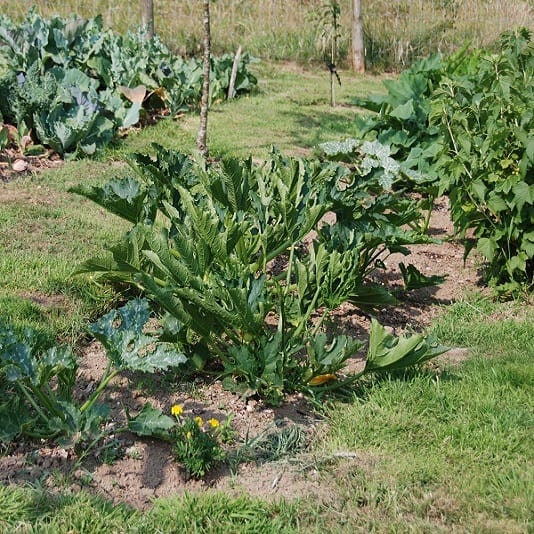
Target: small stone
point(20, 165)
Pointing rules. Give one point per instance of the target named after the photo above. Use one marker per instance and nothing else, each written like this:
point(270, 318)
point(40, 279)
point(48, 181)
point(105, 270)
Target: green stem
point(267, 258)
point(320, 322)
point(47, 403)
point(213, 345)
point(310, 310)
point(283, 295)
point(426, 223)
point(28, 396)
point(49, 395)
point(346, 382)
point(103, 384)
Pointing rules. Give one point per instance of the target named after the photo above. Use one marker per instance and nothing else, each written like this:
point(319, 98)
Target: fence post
point(235, 66)
point(357, 48)
point(147, 17)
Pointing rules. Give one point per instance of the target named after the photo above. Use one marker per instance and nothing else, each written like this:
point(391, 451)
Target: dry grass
point(397, 31)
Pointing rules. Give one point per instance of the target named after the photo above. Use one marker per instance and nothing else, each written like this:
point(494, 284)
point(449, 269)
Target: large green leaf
point(14, 415)
point(124, 197)
point(388, 352)
point(121, 333)
point(328, 356)
point(414, 279)
point(151, 422)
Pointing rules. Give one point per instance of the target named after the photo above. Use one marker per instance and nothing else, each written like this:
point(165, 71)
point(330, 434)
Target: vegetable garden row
point(222, 251)
point(70, 85)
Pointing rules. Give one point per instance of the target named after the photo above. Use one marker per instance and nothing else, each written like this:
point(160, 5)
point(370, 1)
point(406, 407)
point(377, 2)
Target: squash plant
point(38, 394)
point(227, 254)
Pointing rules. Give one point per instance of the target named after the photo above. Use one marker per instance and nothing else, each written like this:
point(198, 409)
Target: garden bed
point(126, 468)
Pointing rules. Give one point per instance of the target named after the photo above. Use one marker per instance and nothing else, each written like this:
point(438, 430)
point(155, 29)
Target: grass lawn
point(443, 449)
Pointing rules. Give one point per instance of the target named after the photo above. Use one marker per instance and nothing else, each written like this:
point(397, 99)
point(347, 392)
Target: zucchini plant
point(243, 266)
point(37, 396)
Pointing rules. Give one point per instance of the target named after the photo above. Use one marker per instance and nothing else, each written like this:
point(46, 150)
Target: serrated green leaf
point(151, 422)
point(124, 197)
point(415, 279)
point(480, 189)
point(13, 417)
point(329, 356)
point(496, 203)
point(121, 333)
point(371, 297)
point(403, 111)
point(487, 247)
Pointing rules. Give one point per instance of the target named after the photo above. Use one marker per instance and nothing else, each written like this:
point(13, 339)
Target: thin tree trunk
point(202, 143)
point(333, 59)
point(147, 17)
point(358, 49)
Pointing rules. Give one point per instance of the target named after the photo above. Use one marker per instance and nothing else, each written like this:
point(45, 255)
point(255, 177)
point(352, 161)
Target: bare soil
point(136, 471)
point(13, 163)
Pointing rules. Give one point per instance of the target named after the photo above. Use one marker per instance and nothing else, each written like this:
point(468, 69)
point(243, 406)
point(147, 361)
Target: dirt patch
point(128, 469)
point(14, 164)
point(58, 302)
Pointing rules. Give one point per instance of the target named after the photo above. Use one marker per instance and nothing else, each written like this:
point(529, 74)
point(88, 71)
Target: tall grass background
point(397, 32)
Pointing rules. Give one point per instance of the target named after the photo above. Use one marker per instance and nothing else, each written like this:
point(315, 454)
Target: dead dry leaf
point(20, 165)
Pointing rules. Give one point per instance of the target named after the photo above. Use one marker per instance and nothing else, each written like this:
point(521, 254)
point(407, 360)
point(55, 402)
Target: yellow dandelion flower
point(214, 423)
point(198, 420)
point(177, 410)
point(188, 435)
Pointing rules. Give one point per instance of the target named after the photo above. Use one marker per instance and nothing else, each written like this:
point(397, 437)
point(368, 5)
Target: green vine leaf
point(387, 352)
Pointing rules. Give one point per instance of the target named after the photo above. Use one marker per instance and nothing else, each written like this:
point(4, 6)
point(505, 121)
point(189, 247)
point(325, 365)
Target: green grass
point(450, 447)
point(45, 232)
point(35, 510)
point(291, 111)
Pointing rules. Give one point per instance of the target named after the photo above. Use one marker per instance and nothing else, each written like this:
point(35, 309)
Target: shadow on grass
point(363, 389)
point(313, 126)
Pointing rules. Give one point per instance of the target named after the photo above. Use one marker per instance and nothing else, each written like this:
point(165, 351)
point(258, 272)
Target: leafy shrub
point(402, 114)
point(226, 253)
point(487, 166)
point(38, 400)
point(463, 126)
point(74, 83)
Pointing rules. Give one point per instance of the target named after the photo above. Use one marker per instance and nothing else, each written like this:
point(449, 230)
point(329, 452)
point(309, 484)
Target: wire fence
point(396, 31)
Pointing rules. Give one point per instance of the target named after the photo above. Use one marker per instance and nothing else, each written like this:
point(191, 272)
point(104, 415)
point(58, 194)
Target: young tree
point(147, 17)
point(202, 143)
point(328, 18)
point(357, 49)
